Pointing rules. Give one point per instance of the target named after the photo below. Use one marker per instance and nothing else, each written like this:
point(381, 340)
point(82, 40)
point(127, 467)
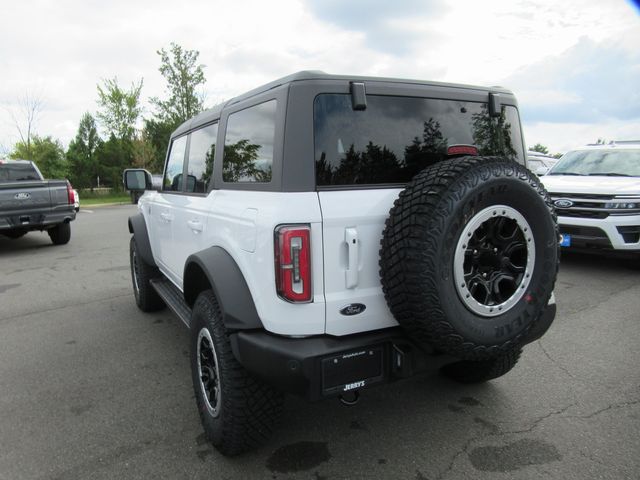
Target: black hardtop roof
point(214, 112)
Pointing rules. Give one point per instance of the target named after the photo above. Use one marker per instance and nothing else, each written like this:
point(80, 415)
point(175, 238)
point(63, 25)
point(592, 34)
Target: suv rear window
point(397, 137)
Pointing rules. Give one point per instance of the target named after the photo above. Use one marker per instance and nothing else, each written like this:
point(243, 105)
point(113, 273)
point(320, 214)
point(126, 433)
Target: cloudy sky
point(573, 64)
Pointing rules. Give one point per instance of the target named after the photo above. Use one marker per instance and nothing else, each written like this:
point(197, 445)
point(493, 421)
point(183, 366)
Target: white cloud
point(62, 49)
point(560, 138)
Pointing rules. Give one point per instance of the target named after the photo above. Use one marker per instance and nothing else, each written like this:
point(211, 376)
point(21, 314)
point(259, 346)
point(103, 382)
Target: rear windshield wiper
point(568, 173)
point(610, 174)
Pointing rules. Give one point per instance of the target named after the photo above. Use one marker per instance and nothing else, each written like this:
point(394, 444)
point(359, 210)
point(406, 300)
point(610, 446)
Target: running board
point(173, 298)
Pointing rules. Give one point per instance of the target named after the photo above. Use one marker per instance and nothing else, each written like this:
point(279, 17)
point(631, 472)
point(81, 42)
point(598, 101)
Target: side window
point(173, 173)
point(248, 145)
point(201, 151)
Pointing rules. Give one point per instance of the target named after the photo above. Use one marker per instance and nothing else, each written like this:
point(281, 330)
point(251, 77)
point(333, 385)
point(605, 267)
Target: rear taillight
point(293, 262)
point(70, 196)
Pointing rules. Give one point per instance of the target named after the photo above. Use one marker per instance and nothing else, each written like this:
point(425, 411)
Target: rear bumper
point(37, 221)
point(325, 366)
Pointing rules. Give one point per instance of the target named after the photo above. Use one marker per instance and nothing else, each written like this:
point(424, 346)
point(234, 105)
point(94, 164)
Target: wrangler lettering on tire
point(469, 256)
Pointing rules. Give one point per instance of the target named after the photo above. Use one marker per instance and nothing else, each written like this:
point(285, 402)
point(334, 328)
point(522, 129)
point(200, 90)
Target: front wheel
point(142, 273)
point(237, 410)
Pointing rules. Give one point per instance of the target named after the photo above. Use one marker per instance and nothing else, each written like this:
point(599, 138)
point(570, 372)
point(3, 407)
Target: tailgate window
point(394, 138)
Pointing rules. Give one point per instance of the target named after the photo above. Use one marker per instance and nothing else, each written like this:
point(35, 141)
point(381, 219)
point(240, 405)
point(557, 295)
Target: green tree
point(81, 154)
point(119, 109)
point(538, 147)
point(46, 152)
point(112, 157)
point(144, 153)
point(157, 132)
point(183, 75)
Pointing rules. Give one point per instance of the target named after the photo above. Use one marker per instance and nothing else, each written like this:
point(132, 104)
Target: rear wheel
point(60, 234)
point(142, 273)
point(237, 410)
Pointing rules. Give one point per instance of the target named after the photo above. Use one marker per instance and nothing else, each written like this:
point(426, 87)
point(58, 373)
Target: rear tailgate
point(24, 197)
point(352, 225)
point(28, 202)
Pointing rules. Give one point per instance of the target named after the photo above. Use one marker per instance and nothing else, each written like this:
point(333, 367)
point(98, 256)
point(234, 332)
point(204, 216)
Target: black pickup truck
point(29, 202)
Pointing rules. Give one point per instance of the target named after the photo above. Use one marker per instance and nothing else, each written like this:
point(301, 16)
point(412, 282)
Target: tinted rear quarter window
point(249, 142)
point(397, 137)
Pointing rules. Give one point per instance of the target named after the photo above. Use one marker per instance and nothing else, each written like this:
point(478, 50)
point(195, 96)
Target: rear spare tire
point(469, 256)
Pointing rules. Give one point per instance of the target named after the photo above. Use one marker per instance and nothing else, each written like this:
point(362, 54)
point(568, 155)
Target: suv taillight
point(71, 199)
point(293, 262)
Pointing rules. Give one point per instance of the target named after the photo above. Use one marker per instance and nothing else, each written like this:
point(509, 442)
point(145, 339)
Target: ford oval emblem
point(22, 196)
point(353, 309)
point(563, 203)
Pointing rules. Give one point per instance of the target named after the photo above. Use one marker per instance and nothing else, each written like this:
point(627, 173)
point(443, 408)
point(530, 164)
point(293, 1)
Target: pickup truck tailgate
point(25, 197)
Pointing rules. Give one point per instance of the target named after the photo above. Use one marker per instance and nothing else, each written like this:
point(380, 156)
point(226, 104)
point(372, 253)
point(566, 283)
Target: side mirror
point(540, 171)
point(137, 179)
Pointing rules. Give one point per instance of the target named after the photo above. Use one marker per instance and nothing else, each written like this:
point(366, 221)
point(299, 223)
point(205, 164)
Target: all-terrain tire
point(423, 233)
point(467, 371)
point(61, 234)
point(142, 273)
point(247, 410)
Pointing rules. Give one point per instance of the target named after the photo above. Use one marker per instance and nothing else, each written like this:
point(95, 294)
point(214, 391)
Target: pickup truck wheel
point(237, 410)
point(467, 371)
point(61, 234)
point(142, 273)
point(469, 256)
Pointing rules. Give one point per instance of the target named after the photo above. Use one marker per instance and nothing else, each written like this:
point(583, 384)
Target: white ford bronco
point(324, 234)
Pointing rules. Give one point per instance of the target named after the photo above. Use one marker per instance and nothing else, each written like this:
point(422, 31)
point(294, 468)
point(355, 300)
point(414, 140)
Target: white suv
point(323, 234)
point(596, 192)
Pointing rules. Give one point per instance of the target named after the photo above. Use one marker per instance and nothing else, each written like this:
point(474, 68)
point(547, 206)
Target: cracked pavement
point(91, 388)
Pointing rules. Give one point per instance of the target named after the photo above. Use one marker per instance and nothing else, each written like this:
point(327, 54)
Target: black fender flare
point(217, 267)
point(138, 227)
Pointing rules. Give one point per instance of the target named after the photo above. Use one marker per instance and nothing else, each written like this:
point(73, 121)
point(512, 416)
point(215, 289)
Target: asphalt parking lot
point(92, 388)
